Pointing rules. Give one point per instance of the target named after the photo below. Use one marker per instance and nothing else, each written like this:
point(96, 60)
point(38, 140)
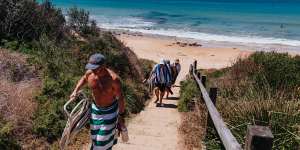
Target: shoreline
point(293, 50)
point(208, 55)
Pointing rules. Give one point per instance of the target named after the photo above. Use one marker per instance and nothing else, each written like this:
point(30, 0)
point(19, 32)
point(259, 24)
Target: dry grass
point(13, 67)
point(16, 104)
point(81, 141)
point(33, 143)
point(18, 85)
point(280, 115)
point(193, 127)
point(247, 97)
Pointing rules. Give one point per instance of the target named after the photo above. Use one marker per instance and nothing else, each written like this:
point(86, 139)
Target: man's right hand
point(73, 95)
point(80, 83)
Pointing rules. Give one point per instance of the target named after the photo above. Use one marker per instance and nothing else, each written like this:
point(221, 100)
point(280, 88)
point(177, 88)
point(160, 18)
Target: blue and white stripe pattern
point(161, 75)
point(169, 74)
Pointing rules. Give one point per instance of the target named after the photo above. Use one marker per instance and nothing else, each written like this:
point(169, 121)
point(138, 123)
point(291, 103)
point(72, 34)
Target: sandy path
point(155, 128)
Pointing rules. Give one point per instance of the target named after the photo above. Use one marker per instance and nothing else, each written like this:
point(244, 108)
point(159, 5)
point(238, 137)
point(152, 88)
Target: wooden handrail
point(228, 140)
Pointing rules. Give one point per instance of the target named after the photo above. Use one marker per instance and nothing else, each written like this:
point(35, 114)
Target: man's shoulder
point(113, 74)
point(88, 73)
point(116, 79)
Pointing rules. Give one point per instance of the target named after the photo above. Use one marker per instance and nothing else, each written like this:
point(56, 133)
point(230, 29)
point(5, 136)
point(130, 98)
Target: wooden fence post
point(203, 80)
point(213, 92)
point(195, 66)
point(259, 138)
point(191, 69)
point(199, 75)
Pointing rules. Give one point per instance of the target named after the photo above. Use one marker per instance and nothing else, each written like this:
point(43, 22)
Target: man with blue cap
point(108, 107)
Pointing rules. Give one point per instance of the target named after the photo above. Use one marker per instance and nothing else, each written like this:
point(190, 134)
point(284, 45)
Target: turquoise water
point(243, 21)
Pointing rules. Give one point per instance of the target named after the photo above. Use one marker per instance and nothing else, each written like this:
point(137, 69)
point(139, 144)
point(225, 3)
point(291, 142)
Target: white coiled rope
point(77, 118)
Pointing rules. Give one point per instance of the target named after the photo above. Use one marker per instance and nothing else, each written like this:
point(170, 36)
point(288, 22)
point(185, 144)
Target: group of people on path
point(163, 77)
point(107, 109)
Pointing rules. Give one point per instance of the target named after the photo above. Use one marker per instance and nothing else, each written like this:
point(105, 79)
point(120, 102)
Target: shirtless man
point(108, 108)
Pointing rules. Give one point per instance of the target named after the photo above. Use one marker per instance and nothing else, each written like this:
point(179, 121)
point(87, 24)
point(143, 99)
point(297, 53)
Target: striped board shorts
point(103, 124)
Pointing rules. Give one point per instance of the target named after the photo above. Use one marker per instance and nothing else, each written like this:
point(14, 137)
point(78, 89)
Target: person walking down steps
point(108, 107)
point(160, 79)
point(176, 67)
point(170, 76)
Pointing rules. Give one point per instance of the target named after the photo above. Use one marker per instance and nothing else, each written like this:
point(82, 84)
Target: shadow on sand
point(172, 98)
point(167, 105)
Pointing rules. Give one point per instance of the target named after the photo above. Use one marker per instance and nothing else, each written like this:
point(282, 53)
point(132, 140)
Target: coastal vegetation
point(262, 89)
point(56, 50)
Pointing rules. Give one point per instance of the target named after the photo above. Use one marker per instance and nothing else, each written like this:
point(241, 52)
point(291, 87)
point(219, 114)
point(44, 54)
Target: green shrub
point(217, 73)
point(280, 69)
point(28, 20)
point(271, 75)
point(188, 91)
point(147, 66)
point(134, 103)
point(49, 120)
point(79, 21)
point(13, 45)
point(7, 141)
point(25, 48)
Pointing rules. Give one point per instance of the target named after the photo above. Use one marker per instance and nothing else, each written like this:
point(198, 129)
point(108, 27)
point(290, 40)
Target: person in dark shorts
point(170, 76)
point(161, 87)
point(176, 67)
point(160, 78)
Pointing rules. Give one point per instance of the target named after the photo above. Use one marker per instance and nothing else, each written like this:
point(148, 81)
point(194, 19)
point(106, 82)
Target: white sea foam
point(221, 38)
point(139, 25)
point(122, 22)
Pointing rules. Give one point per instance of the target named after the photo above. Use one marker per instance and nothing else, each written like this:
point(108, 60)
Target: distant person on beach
point(176, 67)
point(169, 74)
point(160, 78)
point(108, 107)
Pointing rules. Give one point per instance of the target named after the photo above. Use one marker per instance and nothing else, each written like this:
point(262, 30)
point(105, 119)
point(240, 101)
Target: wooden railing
point(257, 138)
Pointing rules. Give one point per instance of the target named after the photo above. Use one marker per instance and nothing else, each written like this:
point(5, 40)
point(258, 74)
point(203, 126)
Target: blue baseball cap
point(95, 61)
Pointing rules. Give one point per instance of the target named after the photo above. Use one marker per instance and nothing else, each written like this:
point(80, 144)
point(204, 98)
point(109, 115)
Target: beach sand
point(157, 47)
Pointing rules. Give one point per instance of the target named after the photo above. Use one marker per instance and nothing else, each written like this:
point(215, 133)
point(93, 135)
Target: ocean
point(239, 21)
